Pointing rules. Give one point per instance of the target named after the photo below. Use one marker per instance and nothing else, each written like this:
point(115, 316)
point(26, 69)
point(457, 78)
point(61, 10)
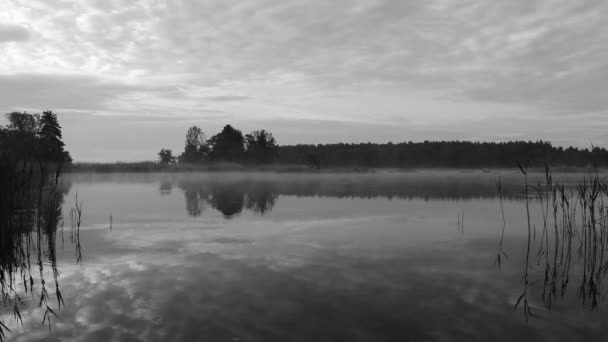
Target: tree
point(23, 123)
point(261, 147)
point(34, 137)
point(195, 137)
point(20, 136)
point(228, 145)
point(50, 138)
point(196, 146)
point(165, 157)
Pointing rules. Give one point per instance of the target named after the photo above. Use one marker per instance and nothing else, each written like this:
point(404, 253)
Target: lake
point(386, 256)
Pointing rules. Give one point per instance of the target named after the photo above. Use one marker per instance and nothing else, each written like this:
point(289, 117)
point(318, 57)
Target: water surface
point(301, 257)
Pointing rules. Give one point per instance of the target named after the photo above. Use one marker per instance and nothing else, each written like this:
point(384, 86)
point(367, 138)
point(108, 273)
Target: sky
point(128, 77)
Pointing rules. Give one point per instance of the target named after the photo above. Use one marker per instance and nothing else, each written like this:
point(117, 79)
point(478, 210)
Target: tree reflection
point(194, 202)
point(229, 198)
point(30, 214)
point(165, 187)
point(232, 193)
point(261, 199)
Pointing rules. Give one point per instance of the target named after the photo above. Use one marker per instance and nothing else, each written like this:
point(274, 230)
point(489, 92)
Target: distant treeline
point(36, 137)
point(260, 148)
point(450, 154)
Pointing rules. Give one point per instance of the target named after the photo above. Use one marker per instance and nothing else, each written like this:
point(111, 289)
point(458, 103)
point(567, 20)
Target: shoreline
point(153, 167)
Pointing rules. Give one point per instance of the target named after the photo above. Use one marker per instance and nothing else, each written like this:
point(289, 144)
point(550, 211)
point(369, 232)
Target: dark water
point(296, 257)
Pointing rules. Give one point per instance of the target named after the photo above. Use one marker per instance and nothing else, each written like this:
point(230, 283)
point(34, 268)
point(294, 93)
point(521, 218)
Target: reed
point(501, 252)
point(461, 223)
point(30, 214)
point(573, 240)
point(526, 282)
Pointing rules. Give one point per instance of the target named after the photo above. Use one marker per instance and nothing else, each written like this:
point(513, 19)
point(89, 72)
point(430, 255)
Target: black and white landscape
point(265, 170)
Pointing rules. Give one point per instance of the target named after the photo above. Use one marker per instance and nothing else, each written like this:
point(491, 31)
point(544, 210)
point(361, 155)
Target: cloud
point(13, 33)
point(228, 98)
point(98, 95)
point(549, 58)
point(304, 60)
point(474, 49)
point(48, 91)
point(578, 92)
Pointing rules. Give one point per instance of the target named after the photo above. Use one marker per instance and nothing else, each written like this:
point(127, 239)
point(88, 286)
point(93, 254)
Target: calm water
point(294, 257)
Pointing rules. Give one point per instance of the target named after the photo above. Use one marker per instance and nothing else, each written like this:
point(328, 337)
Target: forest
point(260, 148)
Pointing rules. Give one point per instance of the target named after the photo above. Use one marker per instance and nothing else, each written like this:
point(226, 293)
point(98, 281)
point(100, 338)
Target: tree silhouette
point(33, 137)
point(261, 147)
point(20, 136)
point(451, 154)
point(165, 157)
point(228, 145)
point(23, 123)
point(195, 136)
point(50, 137)
point(196, 146)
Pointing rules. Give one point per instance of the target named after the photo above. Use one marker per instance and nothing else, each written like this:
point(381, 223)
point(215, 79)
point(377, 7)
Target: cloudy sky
point(128, 77)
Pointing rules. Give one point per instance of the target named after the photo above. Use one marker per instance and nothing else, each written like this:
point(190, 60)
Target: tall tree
point(50, 137)
point(196, 146)
point(195, 136)
point(228, 145)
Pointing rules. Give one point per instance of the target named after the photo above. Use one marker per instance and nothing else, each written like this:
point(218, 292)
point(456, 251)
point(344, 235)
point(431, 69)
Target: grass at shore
point(151, 166)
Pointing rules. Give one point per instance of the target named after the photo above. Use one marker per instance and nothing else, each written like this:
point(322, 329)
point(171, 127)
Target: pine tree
point(50, 137)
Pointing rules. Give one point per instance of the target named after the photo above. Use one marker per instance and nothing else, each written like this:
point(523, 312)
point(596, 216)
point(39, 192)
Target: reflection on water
point(229, 198)
point(322, 257)
point(232, 192)
point(30, 217)
point(165, 187)
point(567, 215)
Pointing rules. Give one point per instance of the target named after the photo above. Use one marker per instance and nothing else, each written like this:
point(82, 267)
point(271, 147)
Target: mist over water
point(303, 257)
point(308, 171)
